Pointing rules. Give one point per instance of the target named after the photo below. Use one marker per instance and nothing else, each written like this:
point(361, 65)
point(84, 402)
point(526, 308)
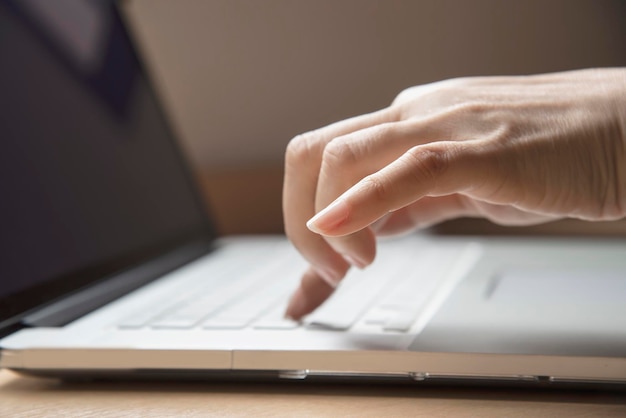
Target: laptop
point(110, 266)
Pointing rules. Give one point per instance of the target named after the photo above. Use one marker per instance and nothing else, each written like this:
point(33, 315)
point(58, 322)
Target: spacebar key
point(339, 315)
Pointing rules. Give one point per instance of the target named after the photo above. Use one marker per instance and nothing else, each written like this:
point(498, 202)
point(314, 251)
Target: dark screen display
point(88, 171)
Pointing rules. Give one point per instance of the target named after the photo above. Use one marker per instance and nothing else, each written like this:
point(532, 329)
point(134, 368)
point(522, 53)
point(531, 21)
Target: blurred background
point(240, 78)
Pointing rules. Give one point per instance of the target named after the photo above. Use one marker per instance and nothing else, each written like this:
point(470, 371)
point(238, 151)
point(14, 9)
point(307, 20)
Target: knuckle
point(349, 151)
point(472, 108)
point(339, 153)
point(443, 86)
point(376, 187)
point(463, 81)
point(301, 148)
point(428, 163)
point(384, 132)
point(406, 95)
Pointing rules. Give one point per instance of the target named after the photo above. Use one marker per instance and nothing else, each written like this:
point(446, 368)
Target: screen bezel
point(14, 306)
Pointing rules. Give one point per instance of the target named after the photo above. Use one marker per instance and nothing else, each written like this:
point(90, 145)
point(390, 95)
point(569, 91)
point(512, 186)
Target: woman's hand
point(515, 150)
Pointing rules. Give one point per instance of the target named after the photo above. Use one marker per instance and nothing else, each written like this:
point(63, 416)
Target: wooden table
point(32, 397)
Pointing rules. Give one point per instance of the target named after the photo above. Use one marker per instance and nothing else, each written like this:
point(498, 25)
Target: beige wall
point(240, 78)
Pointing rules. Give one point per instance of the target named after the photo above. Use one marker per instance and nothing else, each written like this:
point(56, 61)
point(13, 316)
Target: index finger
point(434, 169)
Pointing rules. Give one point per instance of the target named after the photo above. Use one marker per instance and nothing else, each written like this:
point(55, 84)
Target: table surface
point(34, 397)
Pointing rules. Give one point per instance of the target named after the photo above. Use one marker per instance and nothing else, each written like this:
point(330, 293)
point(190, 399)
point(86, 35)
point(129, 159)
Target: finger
point(424, 213)
point(433, 169)
point(302, 166)
point(345, 161)
point(429, 211)
point(311, 294)
point(349, 158)
point(507, 215)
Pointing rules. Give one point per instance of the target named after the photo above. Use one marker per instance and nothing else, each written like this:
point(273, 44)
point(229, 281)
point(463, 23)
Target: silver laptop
point(110, 267)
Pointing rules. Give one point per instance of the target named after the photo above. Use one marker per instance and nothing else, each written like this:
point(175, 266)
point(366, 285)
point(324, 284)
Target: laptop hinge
point(82, 302)
point(9, 327)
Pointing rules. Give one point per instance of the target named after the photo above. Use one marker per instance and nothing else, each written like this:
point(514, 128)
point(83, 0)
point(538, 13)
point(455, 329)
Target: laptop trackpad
point(528, 287)
point(539, 310)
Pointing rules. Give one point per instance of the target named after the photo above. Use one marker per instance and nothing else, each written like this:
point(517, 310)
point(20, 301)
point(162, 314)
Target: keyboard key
point(276, 324)
point(187, 315)
point(377, 317)
point(275, 319)
point(401, 322)
point(226, 323)
point(134, 322)
point(406, 301)
point(175, 323)
point(352, 298)
point(235, 304)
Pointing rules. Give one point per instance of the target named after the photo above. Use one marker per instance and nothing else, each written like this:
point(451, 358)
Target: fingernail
point(329, 218)
point(355, 261)
point(296, 306)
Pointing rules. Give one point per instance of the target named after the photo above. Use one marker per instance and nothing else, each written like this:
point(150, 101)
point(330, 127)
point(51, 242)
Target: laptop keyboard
point(229, 299)
point(389, 296)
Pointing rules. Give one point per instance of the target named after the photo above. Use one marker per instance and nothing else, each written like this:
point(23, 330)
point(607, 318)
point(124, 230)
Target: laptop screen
point(90, 178)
